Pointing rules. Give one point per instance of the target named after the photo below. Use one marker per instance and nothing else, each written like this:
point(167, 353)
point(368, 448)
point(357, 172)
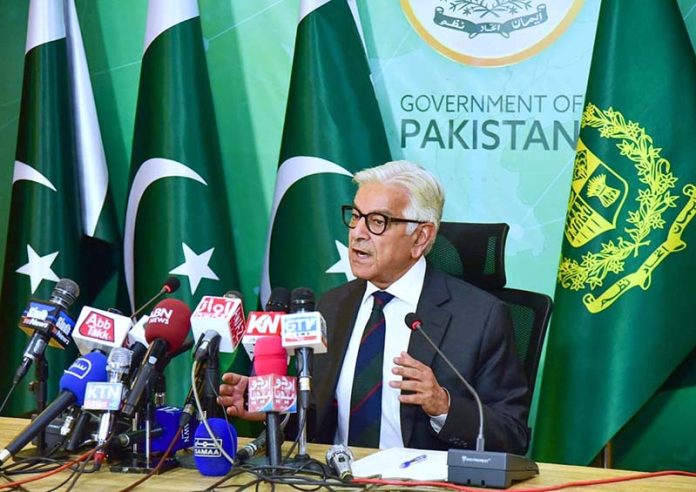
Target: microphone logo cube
point(99, 329)
point(103, 396)
point(220, 314)
point(273, 393)
point(307, 329)
point(98, 326)
point(39, 316)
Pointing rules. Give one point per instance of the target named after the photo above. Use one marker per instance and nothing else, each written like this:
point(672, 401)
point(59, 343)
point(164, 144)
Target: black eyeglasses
point(376, 222)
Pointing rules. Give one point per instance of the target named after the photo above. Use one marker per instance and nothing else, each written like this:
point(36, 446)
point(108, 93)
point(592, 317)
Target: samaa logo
point(490, 33)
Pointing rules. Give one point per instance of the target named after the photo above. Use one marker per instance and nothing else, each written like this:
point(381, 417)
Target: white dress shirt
point(406, 292)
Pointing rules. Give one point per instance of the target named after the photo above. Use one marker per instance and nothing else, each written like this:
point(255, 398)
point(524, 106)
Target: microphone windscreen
point(413, 321)
point(270, 357)
point(90, 367)
point(279, 300)
point(301, 299)
point(170, 320)
point(171, 284)
point(209, 460)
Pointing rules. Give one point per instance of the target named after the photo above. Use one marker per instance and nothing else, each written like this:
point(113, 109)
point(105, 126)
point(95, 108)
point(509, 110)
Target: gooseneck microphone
point(45, 319)
point(479, 467)
point(166, 331)
point(88, 368)
point(415, 324)
point(171, 284)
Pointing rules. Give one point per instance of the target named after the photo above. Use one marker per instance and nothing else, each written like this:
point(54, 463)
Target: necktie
point(366, 397)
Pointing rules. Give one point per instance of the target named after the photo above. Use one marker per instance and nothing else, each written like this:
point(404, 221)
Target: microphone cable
point(41, 476)
point(204, 418)
point(7, 396)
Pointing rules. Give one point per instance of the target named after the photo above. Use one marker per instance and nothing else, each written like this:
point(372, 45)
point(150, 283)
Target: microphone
point(480, 467)
point(87, 368)
point(268, 322)
point(100, 330)
point(49, 322)
point(303, 330)
point(127, 439)
point(271, 391)
point(171, 284)
point(117, 367)
point(221, 318)
point(340, 459)
point(166, 331)
point(207, 455)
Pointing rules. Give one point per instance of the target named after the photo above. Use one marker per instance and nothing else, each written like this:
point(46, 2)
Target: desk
point(185, 479)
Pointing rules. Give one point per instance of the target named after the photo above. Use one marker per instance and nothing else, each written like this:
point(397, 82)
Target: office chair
point(475, 252)
point(472, 252)
point(531, 312)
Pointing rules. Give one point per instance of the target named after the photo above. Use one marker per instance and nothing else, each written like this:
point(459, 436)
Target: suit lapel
point(435, 323)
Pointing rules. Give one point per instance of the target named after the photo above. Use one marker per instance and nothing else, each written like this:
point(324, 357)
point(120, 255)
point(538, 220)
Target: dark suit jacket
point(474, 330)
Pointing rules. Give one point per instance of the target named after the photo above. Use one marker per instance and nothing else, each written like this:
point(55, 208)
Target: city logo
point(490, 33)
point(631, 240)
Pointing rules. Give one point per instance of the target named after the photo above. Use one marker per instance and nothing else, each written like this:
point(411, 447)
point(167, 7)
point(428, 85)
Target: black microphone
point(166, 331)
point(49, 323)
point(340, 459)
point(170, 285)
point(480, 467)
point(279, 301)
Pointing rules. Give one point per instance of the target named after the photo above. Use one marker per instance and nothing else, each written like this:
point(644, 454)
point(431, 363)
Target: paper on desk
point(386, 463)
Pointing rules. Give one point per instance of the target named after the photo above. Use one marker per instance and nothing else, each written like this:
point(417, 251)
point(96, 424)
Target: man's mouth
point(360, 253)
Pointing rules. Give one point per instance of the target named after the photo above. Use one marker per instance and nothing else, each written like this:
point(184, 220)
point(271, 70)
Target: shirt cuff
point(437, 422)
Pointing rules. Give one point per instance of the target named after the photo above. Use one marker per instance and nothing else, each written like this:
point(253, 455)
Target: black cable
point(7, 397)
point(82, 468)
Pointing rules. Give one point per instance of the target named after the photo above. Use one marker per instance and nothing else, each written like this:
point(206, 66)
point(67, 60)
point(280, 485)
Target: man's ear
point(424, 234)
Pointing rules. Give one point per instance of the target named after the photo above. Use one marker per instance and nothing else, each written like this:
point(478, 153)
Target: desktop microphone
point(480, 467)
point(340, 459)
point(206, 454)
point(48, 323)
point(166, 331)
point(271, 391)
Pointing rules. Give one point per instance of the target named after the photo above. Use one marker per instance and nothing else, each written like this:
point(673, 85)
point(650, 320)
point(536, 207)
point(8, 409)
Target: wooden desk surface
point(186, 479)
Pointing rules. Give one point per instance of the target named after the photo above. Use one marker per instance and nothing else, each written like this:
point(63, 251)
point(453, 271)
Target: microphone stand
point(40, 389)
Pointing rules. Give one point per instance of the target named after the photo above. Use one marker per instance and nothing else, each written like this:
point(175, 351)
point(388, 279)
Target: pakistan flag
point(177, 219)
point(333, 128)
point(624, 304)
point(61, 222)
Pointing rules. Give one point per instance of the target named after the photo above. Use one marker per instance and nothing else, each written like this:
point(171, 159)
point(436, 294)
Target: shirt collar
point(407, 288)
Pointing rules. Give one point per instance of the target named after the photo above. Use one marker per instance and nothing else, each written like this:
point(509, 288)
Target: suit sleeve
point(499, 380)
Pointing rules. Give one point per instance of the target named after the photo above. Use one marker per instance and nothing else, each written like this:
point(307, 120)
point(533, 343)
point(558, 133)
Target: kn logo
point(98, 326)
point(490, 33)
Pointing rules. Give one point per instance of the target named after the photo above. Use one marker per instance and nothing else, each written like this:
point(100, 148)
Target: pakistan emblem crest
point(490, 32)
point(598, 200)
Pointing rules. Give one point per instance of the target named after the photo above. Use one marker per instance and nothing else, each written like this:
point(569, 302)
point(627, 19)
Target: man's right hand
point(231, 396)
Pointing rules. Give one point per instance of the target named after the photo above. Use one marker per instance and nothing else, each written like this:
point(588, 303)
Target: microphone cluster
point(111, 397)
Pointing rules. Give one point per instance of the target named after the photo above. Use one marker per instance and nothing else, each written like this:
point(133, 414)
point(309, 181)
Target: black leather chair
point(475, 252)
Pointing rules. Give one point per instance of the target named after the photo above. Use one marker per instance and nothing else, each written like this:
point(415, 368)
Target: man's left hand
point(420, 380)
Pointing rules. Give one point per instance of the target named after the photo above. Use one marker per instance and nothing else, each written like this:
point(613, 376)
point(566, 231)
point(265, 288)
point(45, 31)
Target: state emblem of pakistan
point(599, 200)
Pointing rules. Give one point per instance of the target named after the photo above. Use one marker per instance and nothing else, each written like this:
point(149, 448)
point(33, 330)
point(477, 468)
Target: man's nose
point(360, 230)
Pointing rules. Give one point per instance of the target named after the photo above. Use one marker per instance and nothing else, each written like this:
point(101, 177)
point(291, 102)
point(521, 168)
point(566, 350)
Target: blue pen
point(417, 459)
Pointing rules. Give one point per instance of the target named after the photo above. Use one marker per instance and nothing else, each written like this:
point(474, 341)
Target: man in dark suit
point(382, 385)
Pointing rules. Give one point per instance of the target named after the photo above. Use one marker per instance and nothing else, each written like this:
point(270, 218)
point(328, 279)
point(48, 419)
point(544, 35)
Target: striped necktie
point(366, 397)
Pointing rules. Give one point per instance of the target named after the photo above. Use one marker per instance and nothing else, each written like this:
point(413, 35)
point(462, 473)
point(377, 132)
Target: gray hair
point(425, 194)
